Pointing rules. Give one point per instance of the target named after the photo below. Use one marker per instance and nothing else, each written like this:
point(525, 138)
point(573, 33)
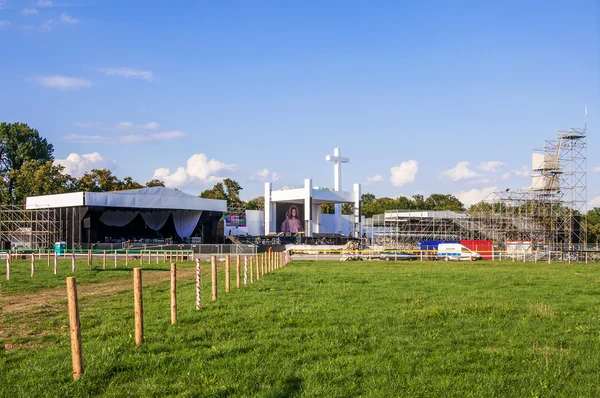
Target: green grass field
point(316, 329)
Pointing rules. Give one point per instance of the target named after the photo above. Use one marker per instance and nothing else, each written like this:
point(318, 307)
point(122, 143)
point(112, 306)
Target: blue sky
point(258, 90)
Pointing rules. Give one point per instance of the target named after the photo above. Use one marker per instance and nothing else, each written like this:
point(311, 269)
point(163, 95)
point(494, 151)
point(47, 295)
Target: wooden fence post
point(104, 260)
point(126, 257)
point(245, 270)
point(173, 294)
point(198, 283)
point(7, 266)
point(227, 273)
point(75, 327)
point(251, 264)
point(32, 264)
point(73, 260)
point(256, 258)
point(139, 310)
point(90, 259)
point(115, 259)
point(48, 255)
point(55, 263)
point(213, 270)
point(237, 272)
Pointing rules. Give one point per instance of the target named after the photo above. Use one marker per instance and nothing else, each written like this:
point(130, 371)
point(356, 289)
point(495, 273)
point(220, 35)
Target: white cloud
point(76, 164)
point(479, 181)
point(595, 202)
point(375, 179)
point(198, 169)
point(131, 126)
point(4, 24)
point(460, 172)
point(405, 173)
point(151, 137)
point(62, 82)
point(492, 165)
point(126, 139)
point(29, 11)
point(473, 196)
point(47, 25)
point(265, 175)
point(69, 20)
point(596, 169)
point(523, 172)
point(44, 3)
point(85, 139)
point(130, 73)
point(87, 124)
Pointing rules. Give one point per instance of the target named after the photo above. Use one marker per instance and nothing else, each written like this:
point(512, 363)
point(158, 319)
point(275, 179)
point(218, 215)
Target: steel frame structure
point(30, 229)
point(551, 215)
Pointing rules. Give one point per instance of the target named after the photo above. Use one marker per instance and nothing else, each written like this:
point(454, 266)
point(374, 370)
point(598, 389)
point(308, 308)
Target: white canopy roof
point(145, 198)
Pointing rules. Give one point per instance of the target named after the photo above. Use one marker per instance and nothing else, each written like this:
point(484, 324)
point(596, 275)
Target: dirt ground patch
point(26, 301)
point(23, 308)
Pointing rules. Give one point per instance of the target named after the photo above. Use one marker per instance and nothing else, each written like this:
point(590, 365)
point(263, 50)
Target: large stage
point(150, 215)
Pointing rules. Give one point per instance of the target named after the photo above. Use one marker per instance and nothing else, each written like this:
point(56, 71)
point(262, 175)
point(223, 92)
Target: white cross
point(337, 160)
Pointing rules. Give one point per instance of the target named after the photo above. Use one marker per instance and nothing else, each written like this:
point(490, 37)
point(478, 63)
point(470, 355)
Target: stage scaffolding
point(549, 216)
point(30, 229)
point(404, 229)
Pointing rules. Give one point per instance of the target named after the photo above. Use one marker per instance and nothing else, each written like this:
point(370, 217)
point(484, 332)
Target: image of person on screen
point(292, 223)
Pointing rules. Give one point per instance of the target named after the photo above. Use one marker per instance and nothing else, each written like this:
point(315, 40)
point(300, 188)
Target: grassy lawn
point(318, 329)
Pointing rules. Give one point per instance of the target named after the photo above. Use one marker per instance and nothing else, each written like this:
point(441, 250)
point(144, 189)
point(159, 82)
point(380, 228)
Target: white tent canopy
point(154, 204)
point(158, 198)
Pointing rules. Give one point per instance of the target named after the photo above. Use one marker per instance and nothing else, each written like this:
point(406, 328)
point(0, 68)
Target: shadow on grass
point(292, 387)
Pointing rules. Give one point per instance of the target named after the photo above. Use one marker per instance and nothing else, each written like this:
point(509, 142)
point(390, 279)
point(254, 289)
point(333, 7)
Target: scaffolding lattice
point(550, 214)
point(30, 229)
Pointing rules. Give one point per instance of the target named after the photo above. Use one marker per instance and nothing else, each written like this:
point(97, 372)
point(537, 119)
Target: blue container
point(60, 248)
point(433, 244)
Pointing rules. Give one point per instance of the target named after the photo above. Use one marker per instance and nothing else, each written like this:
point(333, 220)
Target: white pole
point(7, 266)
point(73, 260)
point(245, 270)
point(32, 264)
point(198, 283)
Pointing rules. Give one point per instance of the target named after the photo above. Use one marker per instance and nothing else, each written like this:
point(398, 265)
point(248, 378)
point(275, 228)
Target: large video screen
point(289, 218)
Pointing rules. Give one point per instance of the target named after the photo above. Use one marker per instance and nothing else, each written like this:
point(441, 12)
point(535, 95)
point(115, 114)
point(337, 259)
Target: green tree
point(257, 203)
point(438, 201)
point(593, 225)
point(99, 180)
point(40, 178)
point(128, 183)
point(19, 143)
point(367, 198)
point(155, 183)
point(216, 192)
point(233, 191)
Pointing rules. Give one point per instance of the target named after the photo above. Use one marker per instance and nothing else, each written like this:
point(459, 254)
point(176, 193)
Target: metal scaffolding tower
point(550, 215)
point(30, 229)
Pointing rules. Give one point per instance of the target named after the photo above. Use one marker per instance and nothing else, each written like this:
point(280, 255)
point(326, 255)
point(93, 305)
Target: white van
point(456, 251)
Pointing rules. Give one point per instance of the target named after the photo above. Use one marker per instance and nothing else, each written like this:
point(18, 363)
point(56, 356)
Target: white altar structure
point(307, 203)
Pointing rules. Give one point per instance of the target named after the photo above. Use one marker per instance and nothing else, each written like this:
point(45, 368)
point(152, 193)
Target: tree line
point(27, 168)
